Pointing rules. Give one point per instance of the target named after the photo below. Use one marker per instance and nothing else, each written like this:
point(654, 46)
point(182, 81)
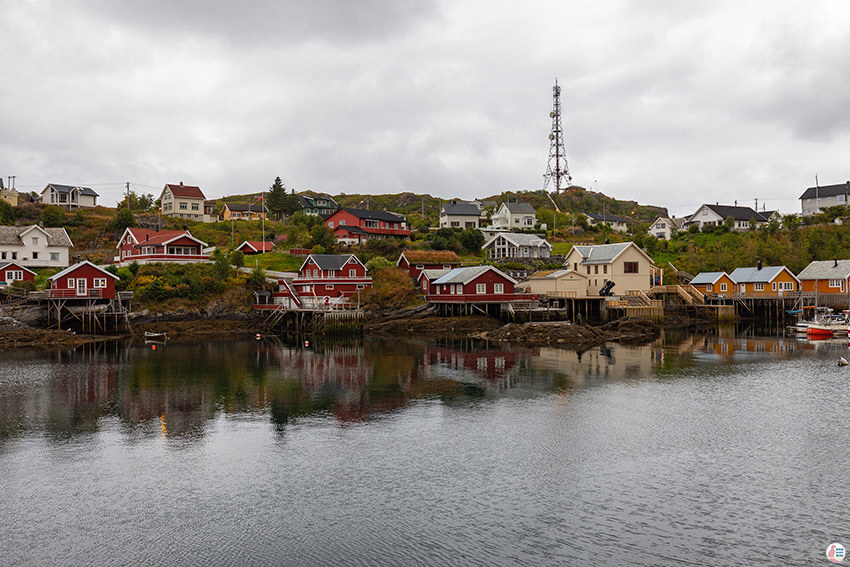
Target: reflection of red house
point(255, 247)
point(414, 261)
point(491, 365)
point(325, 280)
point(11, 272)
point(353, 226)
point(146, 246)
point(83, 281)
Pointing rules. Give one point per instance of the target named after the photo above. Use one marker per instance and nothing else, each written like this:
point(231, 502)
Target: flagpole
point(263, 216)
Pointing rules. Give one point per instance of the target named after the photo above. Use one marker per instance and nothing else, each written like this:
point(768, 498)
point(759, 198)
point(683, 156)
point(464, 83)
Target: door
point(81, 286)
point(742, 289)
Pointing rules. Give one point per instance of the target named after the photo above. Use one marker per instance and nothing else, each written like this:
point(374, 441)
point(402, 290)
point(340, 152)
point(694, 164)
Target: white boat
point(155, 337)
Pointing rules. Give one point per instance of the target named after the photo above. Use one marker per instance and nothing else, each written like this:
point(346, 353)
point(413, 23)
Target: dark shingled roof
point(331, 261)
point(243, 207)
point(375, 215)
point(68, 188)
point(737, 213)
point(826, 191)
point(463, 209)
point(520, 208)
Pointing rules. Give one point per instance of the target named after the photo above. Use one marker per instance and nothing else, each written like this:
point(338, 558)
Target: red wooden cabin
point(353, 226)
point(325, 280)
point(414, 261)
point(476, 284)
point(83, 281)
point(11, 272)
point(147, 246)
point(255, 247)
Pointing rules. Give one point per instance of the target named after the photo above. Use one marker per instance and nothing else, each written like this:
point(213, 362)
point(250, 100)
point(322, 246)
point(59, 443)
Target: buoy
point(306, 344)
point(842, 361)
point(153, 347)
point(258, 336)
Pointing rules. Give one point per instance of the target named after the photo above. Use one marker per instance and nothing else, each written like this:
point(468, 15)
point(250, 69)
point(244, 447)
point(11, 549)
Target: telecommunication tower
point(557, 168)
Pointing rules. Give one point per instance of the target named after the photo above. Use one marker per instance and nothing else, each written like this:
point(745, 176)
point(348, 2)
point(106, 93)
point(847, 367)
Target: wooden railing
point(481, 297)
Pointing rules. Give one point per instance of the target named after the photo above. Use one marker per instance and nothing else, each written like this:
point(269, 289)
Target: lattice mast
point(557, 167)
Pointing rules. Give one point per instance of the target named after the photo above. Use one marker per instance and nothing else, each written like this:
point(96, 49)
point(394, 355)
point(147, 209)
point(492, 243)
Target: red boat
point(820, 331)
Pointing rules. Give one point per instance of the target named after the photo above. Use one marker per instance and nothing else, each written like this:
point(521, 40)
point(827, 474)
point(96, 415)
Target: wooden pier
point(316, 321)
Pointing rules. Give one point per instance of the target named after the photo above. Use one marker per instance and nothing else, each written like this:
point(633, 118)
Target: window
point(14, 255)
point(760, 287)
point(331, 273)
point(787, 286)
point(35, 255)
point(330, 224)
point(329, 287)
point(595, 269)
point(72, 283)
point(100, 283)
point(605, 268)
point(498, 288)
point(834, 283)
point(419, 266)
point(195, 207)
point(15, 275)
point(709, 287)
point(481, 288)
point(361, 286)
point(35, 241)
point(588, 270)
point(352, 273)
point(630, 267)
point(2, 255)
point(54, 256)
point(723, 287)
point(342, 222)
point(182, 206)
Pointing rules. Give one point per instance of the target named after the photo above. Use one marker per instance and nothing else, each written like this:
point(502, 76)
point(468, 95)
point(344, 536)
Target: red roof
point(187, 191)
point(258, 245)
point(151, 237)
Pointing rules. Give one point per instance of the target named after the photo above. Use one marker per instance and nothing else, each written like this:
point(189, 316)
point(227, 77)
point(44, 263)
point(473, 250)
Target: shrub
point(257, 279)
point(378, 263)
point(53, 216)
point(391, 289)
point(237, 258)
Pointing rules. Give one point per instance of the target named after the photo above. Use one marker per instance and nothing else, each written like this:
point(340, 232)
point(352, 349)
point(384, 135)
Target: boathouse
point(330, 280)
point(481, 289)
point(713, 283)
point(414, 261)
point(255, 247)
point(556, 283)
point(426, 279)
point(82, 281)
point(826, 277)
point(11, 272)
point(765, 281)
point(624, 263)
point(147, 246)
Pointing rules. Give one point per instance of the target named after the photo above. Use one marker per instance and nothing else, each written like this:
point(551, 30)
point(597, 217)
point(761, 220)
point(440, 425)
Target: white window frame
point(99, 283)
point(723, 287)
point(352, 273)
point(54, 256)
point(759, 286)
point(481, 288)
point(709, 287)
point(498, 288)
point(72, 283)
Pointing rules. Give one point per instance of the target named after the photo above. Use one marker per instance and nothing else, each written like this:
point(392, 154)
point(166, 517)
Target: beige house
point(514, 216)
point(9, 195)
point(563, 283)
point(624, 263)
point(183, 201)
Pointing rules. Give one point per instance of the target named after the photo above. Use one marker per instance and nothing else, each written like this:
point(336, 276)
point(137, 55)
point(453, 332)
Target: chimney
point(607, 241)
point(181, 184)
point(758, 266)
point(835, 262)
point(147, 237)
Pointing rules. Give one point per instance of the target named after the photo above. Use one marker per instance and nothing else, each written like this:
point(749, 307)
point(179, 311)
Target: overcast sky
point(672, 103)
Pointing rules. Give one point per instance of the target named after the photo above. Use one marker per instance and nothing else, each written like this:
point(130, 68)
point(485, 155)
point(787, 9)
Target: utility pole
point(557, 154)
point(128, 195)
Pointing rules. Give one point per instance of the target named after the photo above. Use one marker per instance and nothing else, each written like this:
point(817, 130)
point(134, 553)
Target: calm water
point(695, 450)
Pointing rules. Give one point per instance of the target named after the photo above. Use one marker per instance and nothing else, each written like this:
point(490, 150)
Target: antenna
point(557, 154)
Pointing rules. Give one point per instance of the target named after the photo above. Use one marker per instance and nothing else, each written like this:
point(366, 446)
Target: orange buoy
point(258, 336)
point(153, 347)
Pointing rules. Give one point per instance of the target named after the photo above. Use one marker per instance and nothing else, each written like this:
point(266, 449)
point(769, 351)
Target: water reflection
point(176, 392)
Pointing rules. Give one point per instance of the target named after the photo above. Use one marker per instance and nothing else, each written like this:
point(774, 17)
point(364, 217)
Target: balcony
point(481, 297)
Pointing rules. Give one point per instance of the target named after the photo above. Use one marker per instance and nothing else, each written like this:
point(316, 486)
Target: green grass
point(274, 261)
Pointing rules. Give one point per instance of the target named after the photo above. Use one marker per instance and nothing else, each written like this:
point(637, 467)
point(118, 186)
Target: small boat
point(825, 330)
point(155, 337)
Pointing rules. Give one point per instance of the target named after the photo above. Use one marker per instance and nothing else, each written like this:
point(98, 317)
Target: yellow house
point(9, 195)
point(242, 211)
point(624, 264)
point(765, 281)
point(555, 283)
point(183, 201)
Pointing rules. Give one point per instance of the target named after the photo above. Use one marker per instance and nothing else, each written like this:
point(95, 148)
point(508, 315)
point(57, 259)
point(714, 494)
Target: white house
point(69, 196)
point(615, 222)
point(458, 214)
point(623, 263)
point(716, 215)
point(818, 197)
point(662, 228)
point(514, 216)
point(510, 245)
point(35, 246)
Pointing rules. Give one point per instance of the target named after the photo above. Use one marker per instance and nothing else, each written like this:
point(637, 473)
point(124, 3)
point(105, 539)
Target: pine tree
point(276, 198)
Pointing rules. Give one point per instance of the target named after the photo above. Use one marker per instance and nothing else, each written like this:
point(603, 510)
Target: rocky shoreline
point(417, 322)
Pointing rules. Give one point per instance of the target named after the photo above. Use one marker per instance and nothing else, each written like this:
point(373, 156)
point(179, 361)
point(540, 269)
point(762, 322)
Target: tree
point(53, 216)
point(221, 267)
point(378, 263)
point(729, 223)
point(276, 198)
point(472, 239)
point(7, 213)
point(291, 205)
point(237, 258)
point(257, 279)
point(123, 219)
point(136, 201)
point(321, 235)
